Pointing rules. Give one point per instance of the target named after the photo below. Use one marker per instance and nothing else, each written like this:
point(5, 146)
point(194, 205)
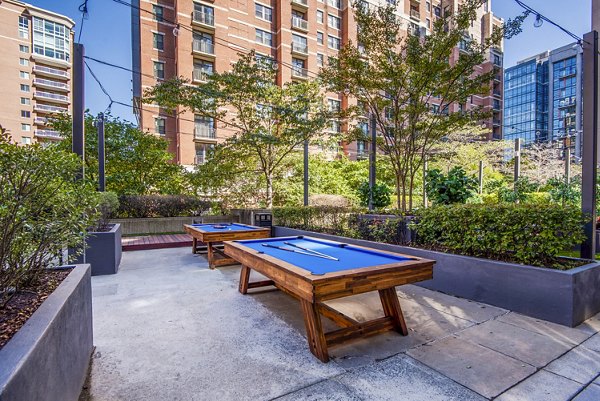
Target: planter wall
point(103, 251)
point(153, 225)
point(564, 297)
point(49, 356)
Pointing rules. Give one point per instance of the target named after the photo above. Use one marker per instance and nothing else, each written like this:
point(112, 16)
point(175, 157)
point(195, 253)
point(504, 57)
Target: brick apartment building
point(36, 69)
point(299, 34)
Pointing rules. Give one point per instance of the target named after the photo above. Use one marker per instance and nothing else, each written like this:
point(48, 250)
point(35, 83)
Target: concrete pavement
point(168, 328)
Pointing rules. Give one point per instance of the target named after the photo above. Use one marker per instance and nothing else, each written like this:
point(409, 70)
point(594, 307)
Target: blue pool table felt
point(350, 257)
point(208, 227)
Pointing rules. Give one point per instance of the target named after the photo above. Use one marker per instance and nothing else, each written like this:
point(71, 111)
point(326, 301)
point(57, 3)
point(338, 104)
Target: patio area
point(166, 327)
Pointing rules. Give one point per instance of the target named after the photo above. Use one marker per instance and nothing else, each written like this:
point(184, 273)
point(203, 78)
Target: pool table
point(341, 270)
point(215, 233)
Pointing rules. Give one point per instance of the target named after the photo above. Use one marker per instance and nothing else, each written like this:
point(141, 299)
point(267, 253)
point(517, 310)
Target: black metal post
point(517, 171)
point(590, 141)
point(306, 173)
point(480, 177)
point(78, 146)
point(372, 160)
point(101, 154)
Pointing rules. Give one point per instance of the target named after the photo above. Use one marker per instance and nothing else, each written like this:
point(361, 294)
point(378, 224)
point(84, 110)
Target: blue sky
point(107, 36)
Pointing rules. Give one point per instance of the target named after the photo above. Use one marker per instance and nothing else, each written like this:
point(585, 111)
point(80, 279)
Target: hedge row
point(326, 219)
point(139, 206)
point(521, 233)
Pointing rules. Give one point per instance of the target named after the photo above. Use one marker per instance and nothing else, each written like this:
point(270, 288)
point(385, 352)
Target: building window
point(334, 22)
point(24, 88)
point(264, 37)
point(24, 62)
point(158, 41)
point(335, 3)
point(320, 59)
point(25, 114)
point(202, 69)
point(159, 125)
point(159, 70)
point(263, 12)
point(23, 27)
point(298, 68)
point(333, 42)
point(428, 6)
point(25, 100)
point(51, 39)
point(334, 126)
point(204, 14)
point(202, 152)
point(26, 140)
point(24, 49)
point(203, 42)
point(320, 38)
point(319, 16)
point(437, 11)
point(334, 105)
point(158, 12)
point(24, 74)
point(300, 43)
point(204, 127)
point(25, 127)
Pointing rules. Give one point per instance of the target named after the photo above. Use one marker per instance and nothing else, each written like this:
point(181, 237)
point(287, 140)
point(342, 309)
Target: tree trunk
point(269, 178)
point(398, 200)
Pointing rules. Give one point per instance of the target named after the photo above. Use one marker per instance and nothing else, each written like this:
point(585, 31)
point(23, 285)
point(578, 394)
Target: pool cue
point(310, 250)
point(295, 251)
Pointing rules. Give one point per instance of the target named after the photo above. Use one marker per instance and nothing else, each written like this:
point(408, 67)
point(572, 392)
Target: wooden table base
point(318, 340)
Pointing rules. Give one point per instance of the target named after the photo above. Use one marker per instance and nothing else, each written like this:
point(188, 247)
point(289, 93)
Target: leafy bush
point(139, 206)
point(523, 233)
point(566, 194)
point(43, 211)
point(521, 188)
point(391, 230)
point(326, 219)
point(108, 204)
point(328, 200)
point(381, 195)
point(456, 187)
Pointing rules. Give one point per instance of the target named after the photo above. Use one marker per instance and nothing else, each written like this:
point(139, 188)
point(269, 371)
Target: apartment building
point(36, 70)
point(299, 34)
point(543, 98)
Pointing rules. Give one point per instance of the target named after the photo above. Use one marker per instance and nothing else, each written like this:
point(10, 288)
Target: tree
point(268, 122)
point(544, 161)
point(455, 187)
point(399, 79)
point(136, 162)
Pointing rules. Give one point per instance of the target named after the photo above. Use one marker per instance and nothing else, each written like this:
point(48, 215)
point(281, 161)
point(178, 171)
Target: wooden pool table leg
point(391, 308)
point(314, 330)
point(194, 244)
point(244, 279)
point(211, 255)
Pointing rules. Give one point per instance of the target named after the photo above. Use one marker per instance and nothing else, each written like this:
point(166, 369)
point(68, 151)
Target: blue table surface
point(350, 257)
point(227, 227)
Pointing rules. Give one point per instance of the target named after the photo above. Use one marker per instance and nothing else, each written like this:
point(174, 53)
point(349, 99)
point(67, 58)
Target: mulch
point(26, 301)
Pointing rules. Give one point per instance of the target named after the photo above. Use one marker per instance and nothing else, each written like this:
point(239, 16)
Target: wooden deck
point(144, 242)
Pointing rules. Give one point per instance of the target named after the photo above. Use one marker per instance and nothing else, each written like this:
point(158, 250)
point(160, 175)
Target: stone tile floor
point(168, 328)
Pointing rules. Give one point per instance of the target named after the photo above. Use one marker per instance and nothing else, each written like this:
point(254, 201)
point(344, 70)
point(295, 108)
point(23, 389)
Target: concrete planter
point(48, 358)
point(564, 297)
point(154, 225)
point(103, 251)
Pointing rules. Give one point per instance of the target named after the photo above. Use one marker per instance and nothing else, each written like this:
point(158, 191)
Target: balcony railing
point(299, 72)
point(50, 84)
point(50, 109)
point(203, 46)
point(303, 3)
point(299, 23)
point(204, 132)
point(497, 92)
point(40, 69)
point(200, 76)
point(48, 134)
point(203, 18)
point(299, 48)
point(51, 96)
point(40, 121)
point(414, 14)
point(497, 122)
point(200, 158)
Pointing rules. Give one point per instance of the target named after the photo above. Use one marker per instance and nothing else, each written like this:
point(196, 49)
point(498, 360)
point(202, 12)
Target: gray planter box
point(49, 356)
point(154, 225)
point(564, 297)
point(103, 251)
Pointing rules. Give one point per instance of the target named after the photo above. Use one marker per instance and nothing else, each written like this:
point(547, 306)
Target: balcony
point(49, 84)
point(203, 47)
point(40, 121)
point(300, 24)
point(497, 92)
point(48, 134)
point(203, 18)
point(497, 123)
point(300, 49)
point(300, 3)
point(415, 14)
point(299, 72)
point(496, 105)
point(204, 132)
point(498, 77)
point(49, 71)
point(51, 97)
point(45, 108)
point(200, 76)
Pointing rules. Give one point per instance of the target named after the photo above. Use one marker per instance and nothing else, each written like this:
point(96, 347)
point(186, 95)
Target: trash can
point(263, 219)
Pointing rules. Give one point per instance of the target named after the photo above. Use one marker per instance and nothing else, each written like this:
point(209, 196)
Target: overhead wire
point(84, 14)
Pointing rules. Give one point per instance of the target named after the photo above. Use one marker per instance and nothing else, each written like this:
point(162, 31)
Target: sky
point(106, 35)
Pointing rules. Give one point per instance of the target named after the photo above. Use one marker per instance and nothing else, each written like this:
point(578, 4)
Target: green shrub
point(381, 195)
point(521, 233)
point(139, 206)
point(456, 187)
point(326, 219)
point(391, 230)
point(518, 193)
point(43, 211)
point(538, 198)
point(108, 204)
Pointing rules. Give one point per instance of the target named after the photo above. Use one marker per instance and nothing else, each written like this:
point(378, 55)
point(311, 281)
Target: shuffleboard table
point(215, 233)
point(291, 264)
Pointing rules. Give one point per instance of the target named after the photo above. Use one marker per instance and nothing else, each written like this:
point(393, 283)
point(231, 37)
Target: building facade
point(36, 70)
point(299, 35)
point(543, 98)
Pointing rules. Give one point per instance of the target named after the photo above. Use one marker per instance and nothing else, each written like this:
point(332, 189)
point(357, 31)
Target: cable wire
point(84, 13)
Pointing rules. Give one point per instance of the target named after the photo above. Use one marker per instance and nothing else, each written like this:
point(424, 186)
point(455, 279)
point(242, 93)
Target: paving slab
point(573, 335)
point(527, 346)
point(593, 343)
point(581, 364)
point(542, 386)
point(326, 390)
point(481, 369)
point(590, 393)
point(403, 378)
